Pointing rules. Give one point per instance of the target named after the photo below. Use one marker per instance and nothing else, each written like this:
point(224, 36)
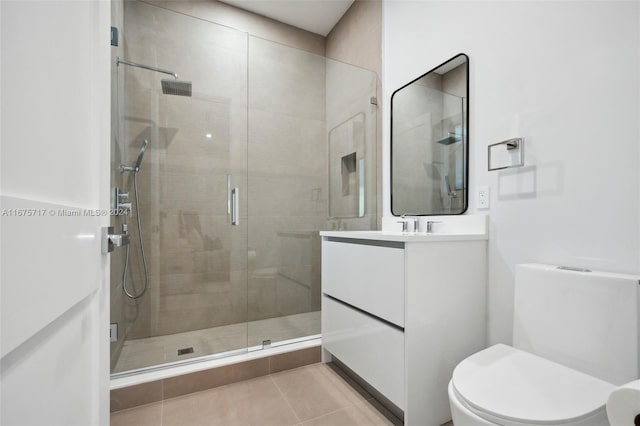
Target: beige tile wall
point(257, 25)
point(357, 37)
point(357, 40)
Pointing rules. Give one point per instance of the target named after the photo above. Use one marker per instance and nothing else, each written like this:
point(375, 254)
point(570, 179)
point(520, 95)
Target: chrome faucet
point(430, 224)
point(408, 223)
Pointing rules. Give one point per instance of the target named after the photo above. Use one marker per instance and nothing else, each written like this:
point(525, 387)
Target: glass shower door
point(196, 158)
point(287, 174)
point(295, 99)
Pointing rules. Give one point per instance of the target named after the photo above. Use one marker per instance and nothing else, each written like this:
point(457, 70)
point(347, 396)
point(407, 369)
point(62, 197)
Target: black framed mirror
point(430, 143)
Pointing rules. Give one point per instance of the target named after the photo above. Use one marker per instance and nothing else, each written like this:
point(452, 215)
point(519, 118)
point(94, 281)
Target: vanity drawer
point(371, 348)
point(369, 277)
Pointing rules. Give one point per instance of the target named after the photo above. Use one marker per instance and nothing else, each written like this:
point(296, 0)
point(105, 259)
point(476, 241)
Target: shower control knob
point(119, 205)
point(111, 240)
point(119, 240)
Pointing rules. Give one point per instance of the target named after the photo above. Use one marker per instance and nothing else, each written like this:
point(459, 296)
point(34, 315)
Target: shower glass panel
point(197, 299)
point(257, 125)
point(295, 99)
point(351, 145)
point(287, 187)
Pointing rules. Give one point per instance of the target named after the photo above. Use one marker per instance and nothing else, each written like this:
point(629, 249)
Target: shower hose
point(144, 259)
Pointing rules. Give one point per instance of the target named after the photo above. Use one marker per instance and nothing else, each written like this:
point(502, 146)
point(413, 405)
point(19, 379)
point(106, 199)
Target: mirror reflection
point(429, 143)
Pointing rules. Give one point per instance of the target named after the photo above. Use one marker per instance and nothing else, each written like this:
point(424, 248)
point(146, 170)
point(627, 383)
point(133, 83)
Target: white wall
point(566, 77)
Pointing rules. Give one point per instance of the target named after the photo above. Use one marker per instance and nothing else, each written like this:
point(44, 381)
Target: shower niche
point(347, 168)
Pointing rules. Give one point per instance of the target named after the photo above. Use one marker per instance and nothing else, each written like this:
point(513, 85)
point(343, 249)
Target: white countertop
point(409, 237)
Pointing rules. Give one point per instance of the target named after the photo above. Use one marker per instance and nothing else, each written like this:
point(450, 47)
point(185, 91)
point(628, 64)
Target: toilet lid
point(507, 383)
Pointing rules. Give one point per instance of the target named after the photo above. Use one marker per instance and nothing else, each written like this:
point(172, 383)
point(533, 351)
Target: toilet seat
point(508, 386)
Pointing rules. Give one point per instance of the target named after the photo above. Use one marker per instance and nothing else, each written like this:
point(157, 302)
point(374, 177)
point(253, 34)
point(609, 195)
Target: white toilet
point(575, 339)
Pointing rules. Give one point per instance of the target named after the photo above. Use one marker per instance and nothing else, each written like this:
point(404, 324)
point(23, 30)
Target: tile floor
point(157, 350)
point(313, 395)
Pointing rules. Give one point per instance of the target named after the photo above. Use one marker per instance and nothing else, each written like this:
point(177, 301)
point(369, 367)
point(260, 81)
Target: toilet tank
point(588, 321)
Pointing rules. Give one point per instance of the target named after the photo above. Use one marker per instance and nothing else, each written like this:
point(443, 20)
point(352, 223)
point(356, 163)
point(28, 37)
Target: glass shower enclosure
point(234, 184)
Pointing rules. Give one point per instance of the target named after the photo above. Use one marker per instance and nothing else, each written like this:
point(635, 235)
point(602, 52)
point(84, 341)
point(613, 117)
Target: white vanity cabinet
point(402, 311)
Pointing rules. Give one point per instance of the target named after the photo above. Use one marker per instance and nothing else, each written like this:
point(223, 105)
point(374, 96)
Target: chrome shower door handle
point(235, 206)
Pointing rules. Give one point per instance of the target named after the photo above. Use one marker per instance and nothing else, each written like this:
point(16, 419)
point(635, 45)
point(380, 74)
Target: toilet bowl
point(575, 340)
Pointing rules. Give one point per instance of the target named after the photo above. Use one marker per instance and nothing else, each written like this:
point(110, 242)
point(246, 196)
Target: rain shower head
point(169, 87)
point(176, 87)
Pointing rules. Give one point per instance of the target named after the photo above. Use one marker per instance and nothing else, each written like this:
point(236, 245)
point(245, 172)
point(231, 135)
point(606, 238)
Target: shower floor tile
point(150, 351)
point(312, 395)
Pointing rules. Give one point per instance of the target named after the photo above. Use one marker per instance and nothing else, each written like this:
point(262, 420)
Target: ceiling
point(317, 16)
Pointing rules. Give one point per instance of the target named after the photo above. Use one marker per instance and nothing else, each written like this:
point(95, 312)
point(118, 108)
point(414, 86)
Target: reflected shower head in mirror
point(136, 167)
point(450, 193)
point(452, 137)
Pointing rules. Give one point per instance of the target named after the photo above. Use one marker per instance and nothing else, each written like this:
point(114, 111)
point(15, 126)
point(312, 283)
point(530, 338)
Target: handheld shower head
point(139, 160)
point(447, 184)
point(136, 167)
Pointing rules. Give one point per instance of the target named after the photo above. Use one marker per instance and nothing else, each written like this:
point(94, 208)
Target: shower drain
point(185, 351)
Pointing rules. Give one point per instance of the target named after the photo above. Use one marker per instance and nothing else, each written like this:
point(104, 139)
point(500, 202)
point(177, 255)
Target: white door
point(54, 188)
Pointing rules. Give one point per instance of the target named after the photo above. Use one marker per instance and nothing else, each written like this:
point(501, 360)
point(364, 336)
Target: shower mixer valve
point(111, 240)
point(118, 201)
